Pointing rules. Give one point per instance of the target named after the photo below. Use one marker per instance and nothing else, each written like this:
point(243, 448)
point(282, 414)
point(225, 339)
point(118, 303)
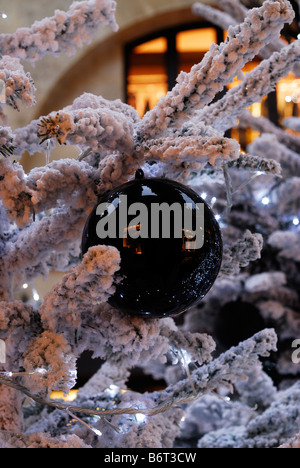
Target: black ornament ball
point(169, 240)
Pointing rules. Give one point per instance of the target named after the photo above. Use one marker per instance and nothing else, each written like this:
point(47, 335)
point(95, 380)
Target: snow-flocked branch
point(233, 14)
point(256, 84)
point(293, 123)
point(228, 369)
point(90, 122)
point(219, 66)
point(263, 125)
point(6, 142)
point(258, 163)
point(239, 255)
point(63, 32)
point(18, 84)
point(267, 146)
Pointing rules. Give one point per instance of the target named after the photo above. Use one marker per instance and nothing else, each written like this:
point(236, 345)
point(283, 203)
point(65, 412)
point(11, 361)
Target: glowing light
point(203, 195)
point(296, 221)
point(218, 217)
point(140, 417)
point(213, 201)
point(36, 296)
point(265, 201)
point(259, 173)
point(288, 99)
point(6, 374)
point(298, 37)
point(185, 357)
point(93, 429)
point(25, 286)
point(113, 390)
point(58, 395)
point(3, 15)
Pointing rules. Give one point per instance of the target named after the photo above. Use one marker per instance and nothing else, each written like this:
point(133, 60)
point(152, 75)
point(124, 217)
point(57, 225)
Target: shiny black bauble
point(162, 274)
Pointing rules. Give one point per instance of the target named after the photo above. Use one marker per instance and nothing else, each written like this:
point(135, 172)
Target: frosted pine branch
point(68, 181)
point(274, 427)
point(287, 244)
point(256, 163)
point(88, 100)
point(292, 443)
point(240, 254)
point(268, 430)
point(234, 8)
point(26, 139)
point(219, 66)
point(18, 322)
point(14, 193)
point(53, 354)
point(91, 121)
point(32, 252)
point(258, 83)
point(263, 125)
point(41, 440)
point(85, 286)
point(235, 12)
point(18, 84)
point(63, 32)
point(217, 17)
point(89, 128)
point(174, 150)
point(227, 369)
point(71, 298)
point(190, 347)
point(6, 142)
point(116, 169)
point(181, 150)
point(267, 146)
point(292, 123)
point(10, 410)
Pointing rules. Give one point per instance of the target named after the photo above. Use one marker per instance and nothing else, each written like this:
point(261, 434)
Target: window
point(154, 62)
point(147, 79)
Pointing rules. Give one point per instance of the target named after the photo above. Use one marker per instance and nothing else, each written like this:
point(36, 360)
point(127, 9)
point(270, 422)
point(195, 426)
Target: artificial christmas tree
point(244, 396)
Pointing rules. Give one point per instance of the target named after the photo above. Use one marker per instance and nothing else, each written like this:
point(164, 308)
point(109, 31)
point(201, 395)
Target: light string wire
point(161, 408)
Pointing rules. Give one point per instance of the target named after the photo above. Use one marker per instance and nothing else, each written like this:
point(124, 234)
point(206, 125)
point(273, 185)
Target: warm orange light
point(146, 90)
point(288, 96)
point(71, 396)
point(196, 40)
point(156, 46)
